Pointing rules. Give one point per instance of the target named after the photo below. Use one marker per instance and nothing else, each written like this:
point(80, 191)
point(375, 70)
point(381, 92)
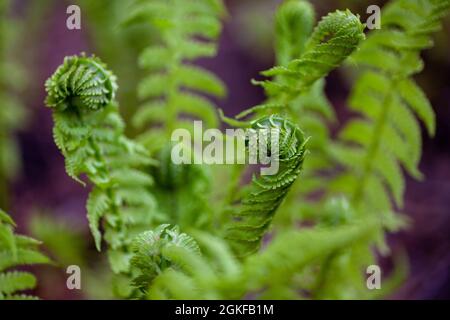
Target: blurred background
point(42, 188)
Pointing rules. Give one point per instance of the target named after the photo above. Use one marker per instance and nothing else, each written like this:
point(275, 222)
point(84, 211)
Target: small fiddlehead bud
point(148, 252)
point(82, 82)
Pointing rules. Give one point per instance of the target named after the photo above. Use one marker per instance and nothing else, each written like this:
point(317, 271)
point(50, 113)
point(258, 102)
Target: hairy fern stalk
point(164, 238)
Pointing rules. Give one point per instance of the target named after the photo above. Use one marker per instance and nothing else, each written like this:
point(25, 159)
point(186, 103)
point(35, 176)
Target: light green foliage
point(386, 136)
point(260, 202)
point(89, 132)
point(12, 112)
point(345, 191)
point(173, 93)
point(216, 274)
point(187, 30)
point(298, 86)
point(149, 255)
point(16, 250)
point(294, 24)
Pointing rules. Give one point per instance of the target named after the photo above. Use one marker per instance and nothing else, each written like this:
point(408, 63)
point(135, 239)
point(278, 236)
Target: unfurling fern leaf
point(89, 131)
point(187, 31)
point(334, 39)
point(148, 255)
point(388, 136)
point(216, 274)
point(259, 204)
point(297, 89)
point(15, 251)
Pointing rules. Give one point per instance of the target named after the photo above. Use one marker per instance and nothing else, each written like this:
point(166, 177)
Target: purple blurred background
point(245, 49)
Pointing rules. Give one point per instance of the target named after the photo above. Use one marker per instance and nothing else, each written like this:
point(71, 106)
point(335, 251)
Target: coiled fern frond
point(89, 132)
point(148, 252)
point(16, 250)
point(387, 137)
point(336, 36)
point(216, 274)
point(187, 31)
point(297, 89)
point(261, 201)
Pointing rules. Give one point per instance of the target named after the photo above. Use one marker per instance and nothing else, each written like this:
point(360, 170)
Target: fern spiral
point(258, 206)
point(89, 131)
point(336, 36)
point(148, 253)
point(81, 82)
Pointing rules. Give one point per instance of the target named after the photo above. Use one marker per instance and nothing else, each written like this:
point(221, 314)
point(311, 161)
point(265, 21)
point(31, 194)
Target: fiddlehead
point(148, 254)
point(16, 250)
point(89, 131)
point(336, 36)
point(298, 92)
point(260, 203)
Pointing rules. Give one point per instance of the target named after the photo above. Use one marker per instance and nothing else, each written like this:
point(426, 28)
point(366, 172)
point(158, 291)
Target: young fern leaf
point(89, 132)
point(175, 87)
point(148, 254)
point(173, 93)
point(15, 251)
point(260, 203)
point(299, 92)
point(336, 36)
point(217, 275)
point(374, 148)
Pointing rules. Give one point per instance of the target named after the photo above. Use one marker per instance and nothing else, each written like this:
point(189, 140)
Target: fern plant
point(173, 94)
point(262, 199)
point(187, 30)
point(373, 147)
point(16, 250)
point(12, 112)
point(217, 274)
point(89, 132)
point(346, 186)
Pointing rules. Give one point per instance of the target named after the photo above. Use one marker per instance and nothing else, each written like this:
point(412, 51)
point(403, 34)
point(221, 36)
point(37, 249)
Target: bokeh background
point(43, 188)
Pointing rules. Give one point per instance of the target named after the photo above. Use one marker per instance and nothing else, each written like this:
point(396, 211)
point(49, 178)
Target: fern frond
point(12, 112)
point(390, 101)
point(187, 31)
point(297, 88)
point(15, 251)
point(259, 204)
point(216, 275)
point(148, 254)
point(334, 39)
point(89, 131)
